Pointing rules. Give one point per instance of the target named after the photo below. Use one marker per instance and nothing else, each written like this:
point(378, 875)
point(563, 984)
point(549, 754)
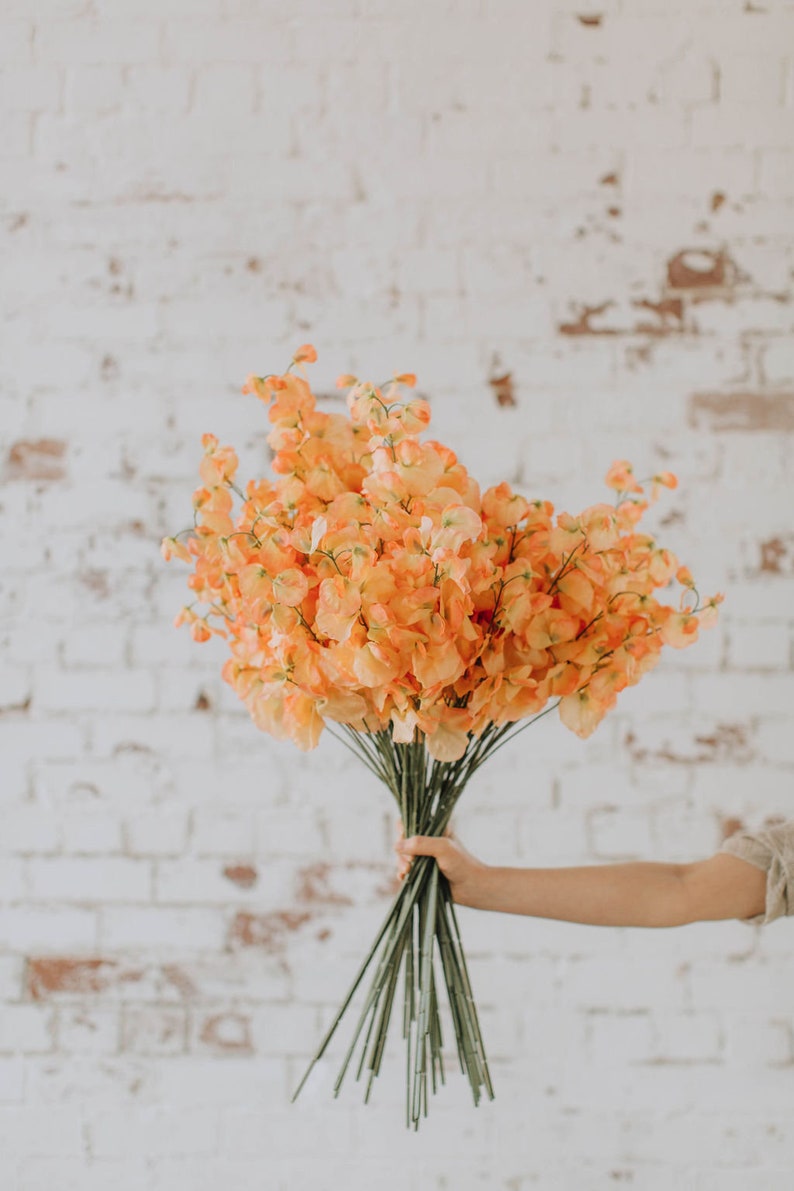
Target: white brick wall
point(598, 197)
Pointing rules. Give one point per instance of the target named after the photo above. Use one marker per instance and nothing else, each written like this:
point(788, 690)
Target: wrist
point(486, 887)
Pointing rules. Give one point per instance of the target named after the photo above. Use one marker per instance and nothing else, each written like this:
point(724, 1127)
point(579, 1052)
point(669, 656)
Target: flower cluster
point(373, 584)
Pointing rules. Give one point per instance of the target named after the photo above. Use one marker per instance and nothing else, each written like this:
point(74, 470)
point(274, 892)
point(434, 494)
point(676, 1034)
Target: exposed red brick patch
point(584, 324)
point(669, 311)
point(591, 19)
point(36, 459)
point(48, 975)
point(253, 264)
point(727, 744)
point(202, 702)
point(313, 885)
point(742, 411)
point(179, 979)
point(227, 1032)
point(153, 1030)
point(614, 212)
point(503, 390)
point(609, 180)
point(268, 931)
point(700, 268)
point(244, 875)
point(777, 556)
point(717, 199)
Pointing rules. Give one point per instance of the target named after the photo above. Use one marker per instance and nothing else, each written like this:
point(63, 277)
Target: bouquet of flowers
point(372, 586)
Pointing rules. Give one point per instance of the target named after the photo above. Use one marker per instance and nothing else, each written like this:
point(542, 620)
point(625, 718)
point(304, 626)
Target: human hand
point(466, 874)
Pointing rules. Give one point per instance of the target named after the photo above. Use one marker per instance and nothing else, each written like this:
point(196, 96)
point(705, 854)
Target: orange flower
point(170, 548)
point(621, 477)
point(338, 609)
point(372, 584)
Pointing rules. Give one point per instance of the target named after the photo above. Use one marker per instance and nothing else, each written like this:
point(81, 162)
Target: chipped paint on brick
point(268, 931)
point(36, 459)
point(227, 1033)
point(244, 875)
point(700, 269)
point(590, 20)
point(153, 1030)
point(727, 744)
point(742, 411)
point(49, 975)
point(503, 390)
point(777, 555)
point(584, 323)
point(313, 885)
point(178, 979)
point(669, 312)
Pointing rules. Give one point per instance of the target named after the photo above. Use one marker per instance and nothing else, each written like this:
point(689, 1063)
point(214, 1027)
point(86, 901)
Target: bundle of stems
point(420, 925)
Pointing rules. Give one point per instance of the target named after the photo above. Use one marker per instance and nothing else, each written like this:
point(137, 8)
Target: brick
point(93, 690)
point(93, 832)
point(155, 1131)
point(94, 89)
point(47, 929)
point(221, 90)
point(616, 1039)
point(99, 645)
point(191, 881)
point(76, 1174)
point(29, 89)
point(620, 834)
point(751, 79)
point(160, 832)
point(778, 358)
point(91, 879)
point(38, 1131)
point(153, 1030)
point(12, 1075)
point(215, 832)
point(759, 646)
point(149, 926)
point(17, 43)
point(733, 124)
point(776, 171)
point(89, 40)
point(26, 1029)
point(88, 1029)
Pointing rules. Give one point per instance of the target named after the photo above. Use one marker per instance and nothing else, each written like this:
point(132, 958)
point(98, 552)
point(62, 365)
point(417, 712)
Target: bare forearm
point(637, 893)
point(641, 893)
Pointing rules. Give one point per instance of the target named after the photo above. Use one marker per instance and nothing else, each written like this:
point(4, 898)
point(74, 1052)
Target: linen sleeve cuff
point(763, 849)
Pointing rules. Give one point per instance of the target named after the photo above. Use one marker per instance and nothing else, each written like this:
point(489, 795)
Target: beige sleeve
point(771, 849)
